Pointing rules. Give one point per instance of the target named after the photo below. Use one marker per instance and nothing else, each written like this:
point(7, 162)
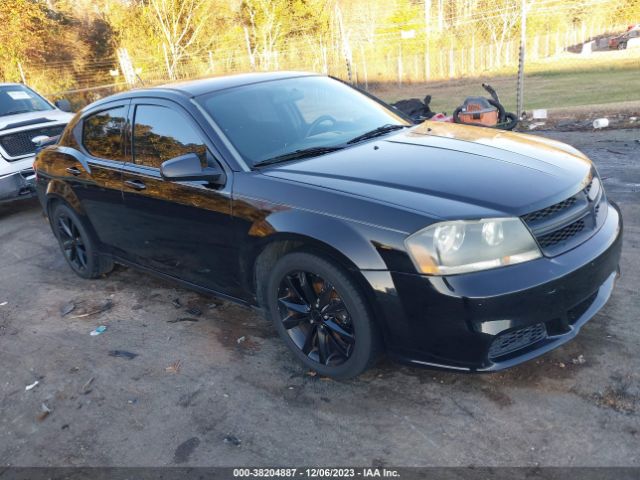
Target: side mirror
point(64, 105)
point(188, 167)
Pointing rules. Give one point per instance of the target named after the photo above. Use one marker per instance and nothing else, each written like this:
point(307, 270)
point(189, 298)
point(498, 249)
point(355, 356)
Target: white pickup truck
point(26, 118)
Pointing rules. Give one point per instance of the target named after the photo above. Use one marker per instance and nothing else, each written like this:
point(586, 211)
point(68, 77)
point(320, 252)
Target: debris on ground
point(233, 440)
point(99, 309)
point(241, 339)
point(185, 449)
point(98, 330)
point(312, 373)
point(86, 388)
point(32, 386)
point(44, 412)
point(617, 399)
point(174, 367)
point(176, 303)
point(415, 108)
point(600, 123)
point(67, 308)
point(3, 304)
point(195, 311)
point(539, 114)
point(122, 354)
point(579, 360)
point(183, 319)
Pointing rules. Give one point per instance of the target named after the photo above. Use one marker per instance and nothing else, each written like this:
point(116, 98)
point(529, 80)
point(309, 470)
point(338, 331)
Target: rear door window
point(102, 133)
point(160, 134)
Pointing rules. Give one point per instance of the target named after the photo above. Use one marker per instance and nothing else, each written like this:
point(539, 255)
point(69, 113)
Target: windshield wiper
point(297, 154)
point(376, 132)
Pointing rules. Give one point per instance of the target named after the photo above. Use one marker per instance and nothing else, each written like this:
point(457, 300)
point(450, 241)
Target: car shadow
point(18, 206)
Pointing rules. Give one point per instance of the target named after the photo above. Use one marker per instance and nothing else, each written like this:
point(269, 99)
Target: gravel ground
point(223, 390)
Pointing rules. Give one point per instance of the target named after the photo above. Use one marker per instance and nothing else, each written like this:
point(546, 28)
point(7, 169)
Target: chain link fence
point(445, 56)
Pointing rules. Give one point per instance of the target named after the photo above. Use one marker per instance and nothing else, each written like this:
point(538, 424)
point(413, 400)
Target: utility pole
point(22, 76)
point(427, 25)
point(126, 67)
point(346, 47)
point(523, 42)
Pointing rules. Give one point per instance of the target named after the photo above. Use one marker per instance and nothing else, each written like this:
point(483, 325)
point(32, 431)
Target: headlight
point(449, 248)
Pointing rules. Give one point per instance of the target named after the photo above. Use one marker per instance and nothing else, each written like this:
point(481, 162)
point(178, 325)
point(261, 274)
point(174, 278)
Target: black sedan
point(355, 232)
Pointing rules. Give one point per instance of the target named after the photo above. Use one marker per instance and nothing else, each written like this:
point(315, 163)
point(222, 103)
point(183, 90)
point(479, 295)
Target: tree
point(23, 36)
point(179, 23)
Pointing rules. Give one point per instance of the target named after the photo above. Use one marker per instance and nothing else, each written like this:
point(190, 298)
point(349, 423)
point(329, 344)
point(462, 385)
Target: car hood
point(443, 169)
point(26, 121)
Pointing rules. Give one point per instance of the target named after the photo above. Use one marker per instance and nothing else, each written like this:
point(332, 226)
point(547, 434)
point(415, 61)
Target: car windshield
point(15, 99)
point(308, 115)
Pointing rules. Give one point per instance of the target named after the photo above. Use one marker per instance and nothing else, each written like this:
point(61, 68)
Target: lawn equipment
point(485, 112)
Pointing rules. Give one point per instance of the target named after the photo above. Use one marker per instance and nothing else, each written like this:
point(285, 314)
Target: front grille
point(19, 143)
point(545, 212)
point(517, 339)
point(566, 224)
point(561, 235)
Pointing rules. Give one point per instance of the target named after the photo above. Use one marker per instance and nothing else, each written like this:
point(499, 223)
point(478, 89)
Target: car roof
point(194, 88)
point(212, 84)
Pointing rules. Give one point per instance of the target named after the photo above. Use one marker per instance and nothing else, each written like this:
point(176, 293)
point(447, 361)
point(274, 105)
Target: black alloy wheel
point(77, 243)
point(321, 314)
point(72, 243)
point(316, 318)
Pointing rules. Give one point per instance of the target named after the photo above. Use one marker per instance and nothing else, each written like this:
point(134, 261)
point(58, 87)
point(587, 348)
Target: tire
point(334, 333)
point(77, 243)
point(622, 46)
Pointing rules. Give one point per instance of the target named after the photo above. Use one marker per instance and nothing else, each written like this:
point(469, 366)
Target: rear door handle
point(135, 184)
point(74, 171)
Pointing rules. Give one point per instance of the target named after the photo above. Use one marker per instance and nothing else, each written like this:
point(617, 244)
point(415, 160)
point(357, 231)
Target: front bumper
point(17, 185)
point(464, 322)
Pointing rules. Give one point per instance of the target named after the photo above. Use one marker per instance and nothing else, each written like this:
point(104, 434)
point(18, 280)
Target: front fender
point(361, 247)
point(354, 241)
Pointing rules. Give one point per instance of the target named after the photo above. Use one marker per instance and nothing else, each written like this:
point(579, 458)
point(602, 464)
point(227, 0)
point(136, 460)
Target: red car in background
point(620, 42)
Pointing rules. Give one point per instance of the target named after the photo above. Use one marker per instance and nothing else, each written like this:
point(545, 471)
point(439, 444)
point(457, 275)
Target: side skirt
point(183, 283)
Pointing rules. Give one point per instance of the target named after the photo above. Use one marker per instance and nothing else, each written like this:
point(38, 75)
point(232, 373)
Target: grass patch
point(566, 81)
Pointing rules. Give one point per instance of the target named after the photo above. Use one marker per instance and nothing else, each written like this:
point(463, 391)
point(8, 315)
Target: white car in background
point(26, 119)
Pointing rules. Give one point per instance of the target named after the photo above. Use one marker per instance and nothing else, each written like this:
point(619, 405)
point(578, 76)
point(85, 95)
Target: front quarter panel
point(267, 208)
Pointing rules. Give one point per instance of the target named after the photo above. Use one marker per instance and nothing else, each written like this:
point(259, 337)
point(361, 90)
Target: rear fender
point(57, 189)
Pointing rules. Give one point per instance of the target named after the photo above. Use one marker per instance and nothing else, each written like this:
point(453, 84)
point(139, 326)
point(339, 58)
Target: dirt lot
point(223, 390)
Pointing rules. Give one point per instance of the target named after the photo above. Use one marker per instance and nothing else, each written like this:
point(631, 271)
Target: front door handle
point(135, 184)
point(74, 171)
